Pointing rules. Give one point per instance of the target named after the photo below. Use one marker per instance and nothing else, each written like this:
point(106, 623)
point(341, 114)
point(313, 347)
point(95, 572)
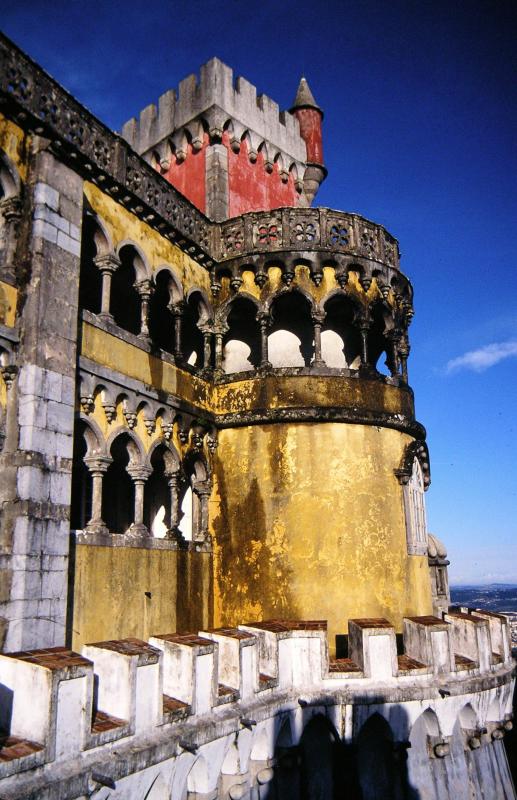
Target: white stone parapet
point(182, 693)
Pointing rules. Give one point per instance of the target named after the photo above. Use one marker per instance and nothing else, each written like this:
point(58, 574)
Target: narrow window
point(414, 505)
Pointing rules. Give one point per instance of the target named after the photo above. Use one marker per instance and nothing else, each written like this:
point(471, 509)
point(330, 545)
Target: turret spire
point(304, 97)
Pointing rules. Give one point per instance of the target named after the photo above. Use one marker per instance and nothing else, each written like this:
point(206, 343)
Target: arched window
point(118, 489)
point(378, 345)
point(161, 318)
point(241, 343)
point(290, 342)
point(194, 501)
point(162, 492)
point(196, 315)
point(81, 504)
point(340, 339)
point(157, 498)
point(414, 507)
point(93, 243)
point(125, 301)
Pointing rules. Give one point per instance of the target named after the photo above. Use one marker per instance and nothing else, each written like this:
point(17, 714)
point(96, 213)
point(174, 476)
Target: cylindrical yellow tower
point(317, 507)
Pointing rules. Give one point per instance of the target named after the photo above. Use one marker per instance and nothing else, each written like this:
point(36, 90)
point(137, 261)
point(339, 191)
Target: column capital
point(138, 473)
point(203, 488)
point(11, 208)
point(220, 328)
point(174, 476)
point(264, 318)
point(145, 288)
point(107, 262)
point(177, 307)
point(404, 347)
point(9, 373)
point(97, 464)
point(364, 320)
point(318, 317)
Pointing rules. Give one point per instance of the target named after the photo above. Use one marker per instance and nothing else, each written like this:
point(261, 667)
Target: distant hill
point(494, 597)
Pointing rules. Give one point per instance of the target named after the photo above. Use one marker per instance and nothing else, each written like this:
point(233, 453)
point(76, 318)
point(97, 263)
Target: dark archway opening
point(340, 339)
point(125, 302)
point(81, 503)
point(118, 493)
point(378, 345)
point(90, 278)
point(241, 343)
point(192, 337)
point(161, 320)
point(157, 498)
point(291, 317)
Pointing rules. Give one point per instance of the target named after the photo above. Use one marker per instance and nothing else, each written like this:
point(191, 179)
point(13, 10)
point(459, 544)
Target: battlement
point(129, 689)
point(228, 149)
point(216, 100)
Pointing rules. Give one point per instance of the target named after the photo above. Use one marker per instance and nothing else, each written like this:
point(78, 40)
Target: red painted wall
point(189, 175)
point(251, 187)
point(310, 131)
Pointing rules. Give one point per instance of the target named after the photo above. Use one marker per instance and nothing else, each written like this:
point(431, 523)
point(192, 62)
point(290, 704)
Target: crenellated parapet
point(228, 149)
point(179, 698)
point(210, 102)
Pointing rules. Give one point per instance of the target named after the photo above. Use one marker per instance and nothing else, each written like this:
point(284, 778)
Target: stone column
point(364, 324)
point(264, 320)
point(139, 475)
point(145, 290)
point(174, 482)
point(206, 330)
point(177, 310)
point(97, 466)
point(106, 264)
point(318, 318)
point(10, 210)
point(403, 350)
point(393, 358)
point(202, 490)
point(219, 330)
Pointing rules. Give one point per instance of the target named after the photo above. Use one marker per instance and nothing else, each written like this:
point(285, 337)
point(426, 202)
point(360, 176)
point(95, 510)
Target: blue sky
point(419, 134)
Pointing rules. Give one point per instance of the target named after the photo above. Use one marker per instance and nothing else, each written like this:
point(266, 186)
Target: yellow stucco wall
point(308, 522)
point(110, 585)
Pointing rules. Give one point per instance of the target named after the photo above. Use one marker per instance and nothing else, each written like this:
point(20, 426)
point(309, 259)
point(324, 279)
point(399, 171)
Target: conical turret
point(309, 115)
point(304, 98)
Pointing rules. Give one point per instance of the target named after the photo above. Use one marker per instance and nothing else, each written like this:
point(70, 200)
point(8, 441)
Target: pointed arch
point(340, 337)
point(241, 342)
point(95, 242)
point(290, 341)
point(125, 304)
point(136, 449)
point(197, 314)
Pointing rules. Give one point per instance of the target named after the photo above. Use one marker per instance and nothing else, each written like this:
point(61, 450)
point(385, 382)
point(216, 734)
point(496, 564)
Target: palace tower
point(215, 563)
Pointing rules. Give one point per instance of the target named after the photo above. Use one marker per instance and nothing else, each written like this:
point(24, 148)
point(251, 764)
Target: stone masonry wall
point(37, 456)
